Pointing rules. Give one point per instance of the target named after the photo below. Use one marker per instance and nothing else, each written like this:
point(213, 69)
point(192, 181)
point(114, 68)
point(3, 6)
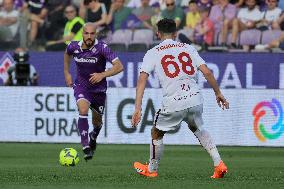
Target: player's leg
point(195, 122)
point(97, 124)
point(97, 108)
point(163, 122)
point(156, 149)
point(156, 152)
point(83, 125)
point(83, 100)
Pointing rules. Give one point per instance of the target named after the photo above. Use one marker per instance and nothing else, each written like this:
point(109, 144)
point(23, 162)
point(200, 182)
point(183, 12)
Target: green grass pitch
point(29, 166)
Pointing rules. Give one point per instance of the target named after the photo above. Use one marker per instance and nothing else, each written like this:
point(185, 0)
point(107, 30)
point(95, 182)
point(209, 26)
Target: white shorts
point(171, 121)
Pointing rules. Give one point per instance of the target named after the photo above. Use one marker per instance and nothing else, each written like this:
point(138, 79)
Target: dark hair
point(204, 9)
point(192, 1)
point(87, 2)
point(166, 26)
point(74, 7)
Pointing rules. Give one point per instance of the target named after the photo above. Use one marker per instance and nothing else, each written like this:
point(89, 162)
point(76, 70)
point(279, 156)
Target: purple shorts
point(96, 99)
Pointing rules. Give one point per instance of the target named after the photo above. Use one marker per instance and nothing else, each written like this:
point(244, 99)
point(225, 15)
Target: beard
point(251, 7)
point(89, 42)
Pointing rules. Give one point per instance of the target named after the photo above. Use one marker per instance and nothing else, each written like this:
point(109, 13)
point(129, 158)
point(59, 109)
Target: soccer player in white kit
point(176, 65)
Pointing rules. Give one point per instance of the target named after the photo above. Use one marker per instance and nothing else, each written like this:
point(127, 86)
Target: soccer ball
point(68, 157)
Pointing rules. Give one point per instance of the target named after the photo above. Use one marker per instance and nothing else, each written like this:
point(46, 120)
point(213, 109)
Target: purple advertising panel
point(232, 70)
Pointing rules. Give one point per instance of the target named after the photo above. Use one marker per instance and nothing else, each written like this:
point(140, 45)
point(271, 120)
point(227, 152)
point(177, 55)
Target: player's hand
point(68, 80)
point(222, 102)
point(136, 117)
point(96, 77)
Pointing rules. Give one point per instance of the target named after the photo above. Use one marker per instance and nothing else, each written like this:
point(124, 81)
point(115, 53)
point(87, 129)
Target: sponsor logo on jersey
point(262, 114)
point(86, 60)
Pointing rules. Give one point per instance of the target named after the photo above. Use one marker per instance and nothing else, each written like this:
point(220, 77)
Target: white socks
point(208, 144)
point(156, 152)
point(157, 149)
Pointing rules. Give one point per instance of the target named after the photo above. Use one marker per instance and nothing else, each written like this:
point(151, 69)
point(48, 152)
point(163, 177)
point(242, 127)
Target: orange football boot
point(142, 169)
point(220, 170)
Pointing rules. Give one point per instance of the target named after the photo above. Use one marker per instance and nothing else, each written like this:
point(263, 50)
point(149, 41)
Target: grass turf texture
point(29, 166)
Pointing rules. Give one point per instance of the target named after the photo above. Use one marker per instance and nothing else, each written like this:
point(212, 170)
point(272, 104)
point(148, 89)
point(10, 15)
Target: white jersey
point(176, 65)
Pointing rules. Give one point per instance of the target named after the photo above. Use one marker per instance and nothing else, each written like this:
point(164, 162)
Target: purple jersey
point(90, 61)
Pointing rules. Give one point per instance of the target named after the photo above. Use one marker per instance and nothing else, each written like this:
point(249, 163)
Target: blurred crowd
point(130, 25)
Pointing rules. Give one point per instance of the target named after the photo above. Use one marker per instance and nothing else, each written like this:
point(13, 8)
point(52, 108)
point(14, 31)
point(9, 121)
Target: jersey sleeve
point(108, 53)
point(196, 57)
point(77, 27)
point(70, 49)
point(147, 65)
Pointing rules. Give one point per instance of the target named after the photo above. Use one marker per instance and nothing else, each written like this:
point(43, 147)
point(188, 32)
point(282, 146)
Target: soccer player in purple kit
point(90, 86)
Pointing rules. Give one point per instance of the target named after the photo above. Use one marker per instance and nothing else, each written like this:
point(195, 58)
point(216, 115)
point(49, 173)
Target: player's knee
point(157, 134)
point(83, 110)
point(83, 106)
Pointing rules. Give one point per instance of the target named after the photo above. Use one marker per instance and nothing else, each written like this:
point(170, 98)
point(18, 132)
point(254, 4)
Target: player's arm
point(141, 84)
point(222, 102)
point(68, 37)
point(117, 67)
point(76, 28)
point(67, 75)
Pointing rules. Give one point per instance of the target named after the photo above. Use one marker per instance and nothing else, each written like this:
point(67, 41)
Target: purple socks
point(83, 127)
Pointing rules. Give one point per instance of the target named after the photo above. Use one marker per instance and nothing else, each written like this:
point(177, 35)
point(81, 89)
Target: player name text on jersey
point(167, 46)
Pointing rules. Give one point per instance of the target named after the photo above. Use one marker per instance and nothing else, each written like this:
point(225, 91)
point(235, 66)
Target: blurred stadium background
point(242, 43)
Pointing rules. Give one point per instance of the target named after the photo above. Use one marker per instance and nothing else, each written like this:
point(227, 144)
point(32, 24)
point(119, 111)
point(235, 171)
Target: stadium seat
point(185, 32)
point(216, 38)
point(260, 51)
point(250, 37)
point(8, 45)
point(122, 36)
point(217, 49)
point(229, 39)
point(137, 47)
point(237, 50)
point(277, 50)
point(119, 47)
point(143, 36)
point(270, 35)
point(12, 44)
